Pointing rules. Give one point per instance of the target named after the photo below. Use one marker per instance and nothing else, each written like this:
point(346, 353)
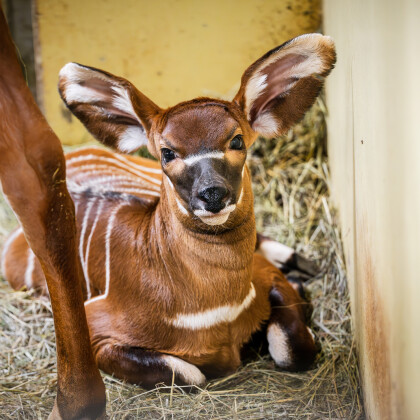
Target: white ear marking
point(267, 125)
point(122, 101)
point(78, 93)
point(75, 73)
point(256, 85)
point(132, 138)
point(302, 57)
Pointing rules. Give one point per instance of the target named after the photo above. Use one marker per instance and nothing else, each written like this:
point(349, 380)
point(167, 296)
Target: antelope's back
point(101, 171)
point(105, 186)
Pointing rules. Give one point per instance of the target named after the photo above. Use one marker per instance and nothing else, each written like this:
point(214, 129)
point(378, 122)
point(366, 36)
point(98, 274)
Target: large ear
point(280, 87)
point(110, 107)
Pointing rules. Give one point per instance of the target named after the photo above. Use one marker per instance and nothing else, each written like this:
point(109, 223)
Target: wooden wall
point(374, 148)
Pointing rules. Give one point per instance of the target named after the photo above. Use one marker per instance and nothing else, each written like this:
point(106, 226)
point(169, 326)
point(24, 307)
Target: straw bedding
point(292, 205)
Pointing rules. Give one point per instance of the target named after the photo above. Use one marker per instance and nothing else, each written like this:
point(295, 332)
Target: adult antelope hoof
point(91, 411)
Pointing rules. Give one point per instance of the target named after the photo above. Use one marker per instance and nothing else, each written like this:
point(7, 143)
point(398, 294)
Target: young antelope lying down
point(176, 277)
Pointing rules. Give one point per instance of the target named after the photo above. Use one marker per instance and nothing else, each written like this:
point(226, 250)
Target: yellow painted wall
point(172, 50)
point(374, 149)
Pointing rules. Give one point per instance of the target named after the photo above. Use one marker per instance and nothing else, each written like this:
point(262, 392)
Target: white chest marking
point(211, 317)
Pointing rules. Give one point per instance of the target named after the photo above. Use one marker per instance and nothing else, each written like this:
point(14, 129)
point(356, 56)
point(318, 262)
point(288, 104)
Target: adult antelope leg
point(32, 173)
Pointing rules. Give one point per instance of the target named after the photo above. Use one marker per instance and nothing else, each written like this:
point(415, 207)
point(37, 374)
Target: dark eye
point(167, 155)
point(237, 143)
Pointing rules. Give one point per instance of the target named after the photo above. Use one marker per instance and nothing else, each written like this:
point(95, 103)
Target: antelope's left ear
point(280, 87)
point(110, 107)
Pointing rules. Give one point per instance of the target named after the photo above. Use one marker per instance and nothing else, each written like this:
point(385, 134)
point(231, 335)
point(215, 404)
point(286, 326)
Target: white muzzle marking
point(212, 219)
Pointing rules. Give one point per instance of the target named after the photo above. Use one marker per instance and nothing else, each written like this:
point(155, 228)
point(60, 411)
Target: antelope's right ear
point(110, 107)
point(280, 87)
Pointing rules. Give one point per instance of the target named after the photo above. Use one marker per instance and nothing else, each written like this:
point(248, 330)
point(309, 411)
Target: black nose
point(213, 197)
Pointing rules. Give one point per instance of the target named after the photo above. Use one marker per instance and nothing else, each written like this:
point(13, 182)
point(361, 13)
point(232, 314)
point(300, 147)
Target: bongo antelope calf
point(175, 283)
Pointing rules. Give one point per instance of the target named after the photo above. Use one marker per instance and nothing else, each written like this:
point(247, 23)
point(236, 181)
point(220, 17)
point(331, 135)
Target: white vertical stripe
point(109, 227)
point(137, 165)
point(30, 269)
point(98, 170)
point(98, 213)
point(115, 157)
point(119, 163)
point(81, 240)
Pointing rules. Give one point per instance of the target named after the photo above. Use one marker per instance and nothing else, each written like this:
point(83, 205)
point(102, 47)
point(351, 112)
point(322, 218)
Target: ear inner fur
point(272, 94)
point(110, 107)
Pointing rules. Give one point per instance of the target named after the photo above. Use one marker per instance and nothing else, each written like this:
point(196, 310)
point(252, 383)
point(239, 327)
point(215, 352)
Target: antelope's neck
point(206, 262)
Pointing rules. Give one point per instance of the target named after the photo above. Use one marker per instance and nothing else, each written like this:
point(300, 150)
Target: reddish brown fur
point(32, 174)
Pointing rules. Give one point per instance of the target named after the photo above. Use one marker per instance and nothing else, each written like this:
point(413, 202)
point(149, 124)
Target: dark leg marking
point(291, 342)
point(145, 367)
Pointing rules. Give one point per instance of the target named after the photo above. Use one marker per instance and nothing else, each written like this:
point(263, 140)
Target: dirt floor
point(292, 205)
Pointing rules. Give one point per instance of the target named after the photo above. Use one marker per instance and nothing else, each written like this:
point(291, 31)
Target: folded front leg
point(290, 341)
point(146, 367)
